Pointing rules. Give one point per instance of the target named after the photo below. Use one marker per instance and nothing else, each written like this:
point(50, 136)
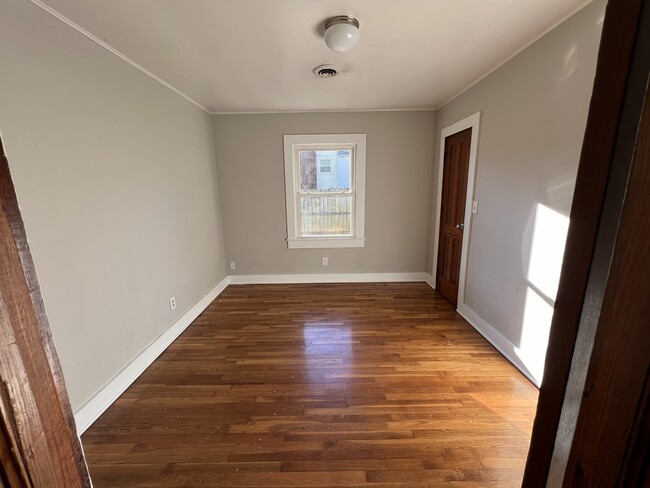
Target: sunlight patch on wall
point(536, 325)
point(545, 264)
point(547, 250)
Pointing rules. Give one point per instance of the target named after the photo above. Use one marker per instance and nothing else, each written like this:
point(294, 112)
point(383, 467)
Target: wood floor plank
point(337, 385)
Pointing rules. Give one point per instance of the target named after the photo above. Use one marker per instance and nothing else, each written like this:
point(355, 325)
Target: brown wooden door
point(39, 446)
point(452, 213)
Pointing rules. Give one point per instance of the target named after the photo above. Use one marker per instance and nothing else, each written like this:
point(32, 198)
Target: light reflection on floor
point(327, 345)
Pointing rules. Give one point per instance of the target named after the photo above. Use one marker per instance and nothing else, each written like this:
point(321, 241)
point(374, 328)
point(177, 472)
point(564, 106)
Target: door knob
point(460, 226)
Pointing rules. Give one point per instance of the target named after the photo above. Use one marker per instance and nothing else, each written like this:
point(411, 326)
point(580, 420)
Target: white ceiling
point(258, 55)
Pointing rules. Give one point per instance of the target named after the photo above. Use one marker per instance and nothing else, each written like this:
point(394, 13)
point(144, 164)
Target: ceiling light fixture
point(341, 33)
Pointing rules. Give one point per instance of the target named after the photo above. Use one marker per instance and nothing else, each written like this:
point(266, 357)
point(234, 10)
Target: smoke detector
point(325, 71)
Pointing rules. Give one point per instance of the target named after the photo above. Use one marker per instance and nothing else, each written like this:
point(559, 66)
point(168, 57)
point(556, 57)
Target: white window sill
point(331, 242)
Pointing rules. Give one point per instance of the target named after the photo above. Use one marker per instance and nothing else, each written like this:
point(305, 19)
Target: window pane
point(325, 165)
point(325, 171)
point(325, 215)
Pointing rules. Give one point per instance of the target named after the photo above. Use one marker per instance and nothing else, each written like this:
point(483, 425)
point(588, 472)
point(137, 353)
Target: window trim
point(291, 178)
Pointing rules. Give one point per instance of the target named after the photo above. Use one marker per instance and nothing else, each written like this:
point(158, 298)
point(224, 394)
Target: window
point(325, 165)
point(325, 190)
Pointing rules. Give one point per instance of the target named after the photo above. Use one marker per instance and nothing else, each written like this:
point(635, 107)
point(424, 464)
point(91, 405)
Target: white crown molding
point(324, 111)
point(117, 53)
point(93, 408)
point(122, 56)
point(514, 54)
point(326, 278)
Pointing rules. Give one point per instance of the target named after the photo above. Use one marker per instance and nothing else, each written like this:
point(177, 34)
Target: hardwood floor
point(337, 385)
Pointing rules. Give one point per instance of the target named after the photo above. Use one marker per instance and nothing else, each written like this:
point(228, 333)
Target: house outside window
point(324, 159)
point(325, 190)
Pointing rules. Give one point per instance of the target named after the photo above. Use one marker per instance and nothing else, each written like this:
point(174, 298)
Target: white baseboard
point(497, 339)
point(431, 281)
point(326, 278)
point(91, 410)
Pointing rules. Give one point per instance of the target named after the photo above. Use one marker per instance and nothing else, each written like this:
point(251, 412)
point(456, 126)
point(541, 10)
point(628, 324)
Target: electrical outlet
point(232, 265)
point(172, 303)
point(324, 261)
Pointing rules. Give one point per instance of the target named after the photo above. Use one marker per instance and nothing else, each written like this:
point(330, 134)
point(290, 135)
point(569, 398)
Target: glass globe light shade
point(342, 35)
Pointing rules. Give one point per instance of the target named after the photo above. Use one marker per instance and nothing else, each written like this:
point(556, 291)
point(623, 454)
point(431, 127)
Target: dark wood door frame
point(39, 446)
point(472, 122)
point(619, 365)
point(605, 163)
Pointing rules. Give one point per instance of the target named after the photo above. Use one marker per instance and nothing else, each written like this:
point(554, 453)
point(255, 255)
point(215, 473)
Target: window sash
point(300, 215)
point(300, 193)
point(356, 144)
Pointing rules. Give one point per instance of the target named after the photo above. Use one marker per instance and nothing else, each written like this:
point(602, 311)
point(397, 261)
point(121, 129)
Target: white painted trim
point(326, 111)
point(357, 144)
point(117, 53)
point(431, 280)
point(332, 242)
point(473, 122)
point(492, 335)
point(514, 54)
point(327, 278)
point(497, 339)
point(424, 109)
point(91, 410)
point(108, 47)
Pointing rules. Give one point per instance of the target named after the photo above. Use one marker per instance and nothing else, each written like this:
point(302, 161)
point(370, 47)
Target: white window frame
point(295, 143)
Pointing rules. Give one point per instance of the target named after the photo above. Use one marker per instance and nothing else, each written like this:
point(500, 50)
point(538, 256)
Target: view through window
point(325, 187)
point(325, 192)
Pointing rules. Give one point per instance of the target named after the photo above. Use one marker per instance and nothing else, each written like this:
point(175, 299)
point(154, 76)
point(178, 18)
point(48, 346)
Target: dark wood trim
point(40, 446)
point(14, 471)
point(620, 360)
point(636, 466)
point(597, 160)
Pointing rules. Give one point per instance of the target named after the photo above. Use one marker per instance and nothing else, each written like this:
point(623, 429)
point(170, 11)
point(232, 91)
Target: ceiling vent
point(325, 71)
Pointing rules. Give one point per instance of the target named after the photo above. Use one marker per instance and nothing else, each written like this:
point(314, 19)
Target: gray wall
point(534, 111)
point(116, 180)
point(399, 169)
